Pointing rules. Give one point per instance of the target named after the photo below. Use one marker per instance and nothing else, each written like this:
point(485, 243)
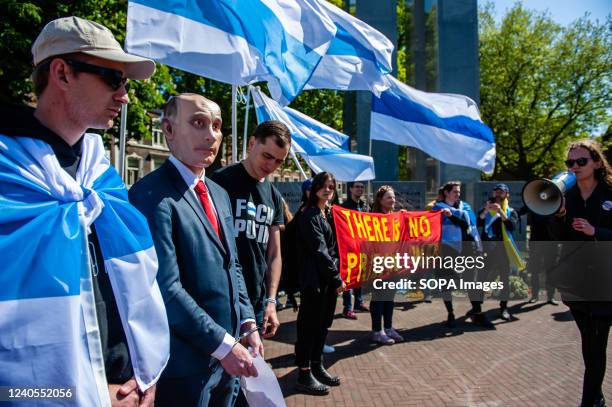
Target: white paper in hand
point(263, 390)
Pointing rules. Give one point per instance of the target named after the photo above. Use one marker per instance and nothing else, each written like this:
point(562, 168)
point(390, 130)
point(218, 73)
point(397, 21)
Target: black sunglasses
point(112, 77)
point(582, 161)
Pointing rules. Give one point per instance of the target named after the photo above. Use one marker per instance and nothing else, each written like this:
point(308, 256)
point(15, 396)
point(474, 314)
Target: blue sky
point(562, 11)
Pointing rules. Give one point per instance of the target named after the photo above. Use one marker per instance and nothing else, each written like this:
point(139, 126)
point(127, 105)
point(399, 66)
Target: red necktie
point(202, 192)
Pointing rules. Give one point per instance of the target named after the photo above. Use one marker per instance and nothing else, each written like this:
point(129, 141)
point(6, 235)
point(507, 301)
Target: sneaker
point(533, 300)
point(382, 338)
point(552, 301)
point(349, 314)
point(505, 315)
point(328, 349)
point(392, 333)
point(428, 298)
point(362, 308)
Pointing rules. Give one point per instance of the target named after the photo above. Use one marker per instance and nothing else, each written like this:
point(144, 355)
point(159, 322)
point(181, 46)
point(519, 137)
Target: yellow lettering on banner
point(348, 221)
point(351, 262)
point(385, 230)
point(366, 221)
point(424, 226)
point(359, 225)
point(377, 232)
point(396, 230)
point(413, 227)
point(362, 266)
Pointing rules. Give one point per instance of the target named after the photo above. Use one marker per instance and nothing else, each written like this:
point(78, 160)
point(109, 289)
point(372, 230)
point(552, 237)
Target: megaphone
point(544, 196)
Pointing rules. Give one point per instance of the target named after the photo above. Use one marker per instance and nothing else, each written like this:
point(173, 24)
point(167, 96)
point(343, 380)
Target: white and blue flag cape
point(359, 57)
point(451, 233)
point(234, 41)
point(445, 126)
point(323, 148)
point(49, 334)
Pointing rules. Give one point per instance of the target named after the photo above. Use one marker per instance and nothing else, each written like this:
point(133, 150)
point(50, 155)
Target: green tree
point(542, 85)
point(22, 23)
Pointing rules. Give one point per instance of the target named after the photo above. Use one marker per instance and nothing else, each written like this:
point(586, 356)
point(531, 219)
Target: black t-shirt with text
point(256, 207)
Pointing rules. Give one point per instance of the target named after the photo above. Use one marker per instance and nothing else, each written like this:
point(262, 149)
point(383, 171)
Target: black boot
point(450, 321)
point(322, 375)
point(306, 383)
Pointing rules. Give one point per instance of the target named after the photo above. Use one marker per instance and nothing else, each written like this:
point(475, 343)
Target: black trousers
point(497, 264)
point(594, 332)
point(315, 316)
point(542, 258)
point(211, 389)
point(378, 310)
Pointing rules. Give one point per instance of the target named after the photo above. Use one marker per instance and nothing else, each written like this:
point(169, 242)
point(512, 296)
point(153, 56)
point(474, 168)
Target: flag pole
point(122, 131)
point(370, 193)
point(297, 162)
point(234, 125)
point(246, 123)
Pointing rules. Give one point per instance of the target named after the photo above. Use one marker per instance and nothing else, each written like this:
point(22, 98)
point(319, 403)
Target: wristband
point(270, 301)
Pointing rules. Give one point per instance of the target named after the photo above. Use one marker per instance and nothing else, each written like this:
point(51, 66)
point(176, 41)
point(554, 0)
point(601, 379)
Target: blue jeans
point(346, 298)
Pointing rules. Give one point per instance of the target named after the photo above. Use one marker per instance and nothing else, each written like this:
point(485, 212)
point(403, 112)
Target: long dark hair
point(604, 173)
point(318, 182)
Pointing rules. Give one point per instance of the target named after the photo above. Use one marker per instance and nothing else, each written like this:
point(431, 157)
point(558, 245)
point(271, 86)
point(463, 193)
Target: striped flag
point(323, 148)
point(234, 41)
point(49, 333)
point(439, 124)
point(359, 57)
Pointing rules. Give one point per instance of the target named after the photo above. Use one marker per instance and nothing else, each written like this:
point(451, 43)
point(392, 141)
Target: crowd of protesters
point(585, 216)
point(189, 332)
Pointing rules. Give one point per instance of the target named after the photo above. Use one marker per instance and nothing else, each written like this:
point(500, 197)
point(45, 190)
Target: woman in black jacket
point(585, 226)
point(320, 284)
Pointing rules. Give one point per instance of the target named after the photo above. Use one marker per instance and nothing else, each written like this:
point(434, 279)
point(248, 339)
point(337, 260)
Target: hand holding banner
point(364, 237)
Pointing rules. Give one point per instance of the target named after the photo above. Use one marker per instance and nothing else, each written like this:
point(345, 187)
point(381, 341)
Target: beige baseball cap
point(73, 34)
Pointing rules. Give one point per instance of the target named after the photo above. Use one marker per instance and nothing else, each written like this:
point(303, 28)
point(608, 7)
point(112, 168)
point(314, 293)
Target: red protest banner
point(364, 236)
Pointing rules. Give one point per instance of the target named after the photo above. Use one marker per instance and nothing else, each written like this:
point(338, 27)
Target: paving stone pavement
point(534, 360)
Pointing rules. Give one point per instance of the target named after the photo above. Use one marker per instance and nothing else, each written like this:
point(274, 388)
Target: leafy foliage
point(542, 85)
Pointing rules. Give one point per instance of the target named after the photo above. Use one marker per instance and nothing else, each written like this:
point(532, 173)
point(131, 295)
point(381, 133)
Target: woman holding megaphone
point(584, 223)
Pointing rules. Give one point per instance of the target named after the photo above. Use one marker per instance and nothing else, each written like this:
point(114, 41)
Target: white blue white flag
point(323, 148)
point(49, 334)
point(237, 42)
point(445, 126)
point(359, 57)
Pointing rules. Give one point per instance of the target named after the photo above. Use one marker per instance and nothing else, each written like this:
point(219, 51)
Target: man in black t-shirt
point(258, 212)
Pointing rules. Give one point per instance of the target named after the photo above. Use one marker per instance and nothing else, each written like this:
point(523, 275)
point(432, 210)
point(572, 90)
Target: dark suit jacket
point(199, 274)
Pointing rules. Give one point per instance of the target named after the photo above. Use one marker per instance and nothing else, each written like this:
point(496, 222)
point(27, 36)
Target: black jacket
point(20, 121)
point(356, 206)
point(539, 225)
point(511, 224)
point(584, 275)
point(597, 209)
point(316, 252)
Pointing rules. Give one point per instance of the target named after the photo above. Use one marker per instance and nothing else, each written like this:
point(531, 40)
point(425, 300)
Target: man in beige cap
point(80, 76)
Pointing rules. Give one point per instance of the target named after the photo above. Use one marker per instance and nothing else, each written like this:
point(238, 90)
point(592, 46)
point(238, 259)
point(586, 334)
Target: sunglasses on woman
point(582, 161)
point(112, 77)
